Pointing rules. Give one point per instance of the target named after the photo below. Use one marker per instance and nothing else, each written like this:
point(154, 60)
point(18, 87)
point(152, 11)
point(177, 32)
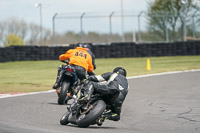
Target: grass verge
point(32, 76)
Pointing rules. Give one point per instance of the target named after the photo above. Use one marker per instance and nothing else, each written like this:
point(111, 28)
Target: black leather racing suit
point(114, 92)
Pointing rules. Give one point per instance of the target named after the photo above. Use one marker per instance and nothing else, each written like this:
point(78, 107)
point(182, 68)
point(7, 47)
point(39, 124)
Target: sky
point(25, 9)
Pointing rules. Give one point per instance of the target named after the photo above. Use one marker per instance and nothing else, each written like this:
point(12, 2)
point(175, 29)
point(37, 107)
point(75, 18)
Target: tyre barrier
point(113, 50)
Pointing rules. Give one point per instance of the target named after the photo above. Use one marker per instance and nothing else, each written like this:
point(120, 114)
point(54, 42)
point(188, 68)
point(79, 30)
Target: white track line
point(133, 77)
point(24, 94)
point(163, 73)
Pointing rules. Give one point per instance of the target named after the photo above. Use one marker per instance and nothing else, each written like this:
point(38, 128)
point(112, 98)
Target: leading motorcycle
point(85, 114)
point(68, 81)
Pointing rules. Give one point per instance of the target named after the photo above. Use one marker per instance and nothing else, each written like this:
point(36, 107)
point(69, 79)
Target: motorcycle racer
point(113, 93)
point(80, 59)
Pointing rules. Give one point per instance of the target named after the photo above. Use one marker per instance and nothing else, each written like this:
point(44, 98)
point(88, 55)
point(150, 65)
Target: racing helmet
point(79, 45)
point(86, 45)
point(120, 70)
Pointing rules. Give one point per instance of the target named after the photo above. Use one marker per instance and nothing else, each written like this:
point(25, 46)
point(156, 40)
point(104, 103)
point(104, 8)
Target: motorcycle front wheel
point(64, 119)
point(62, 96)
point(84, 120)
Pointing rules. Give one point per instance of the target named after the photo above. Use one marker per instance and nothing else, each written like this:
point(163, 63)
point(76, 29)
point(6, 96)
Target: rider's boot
point(112, 116)
point(58, 79)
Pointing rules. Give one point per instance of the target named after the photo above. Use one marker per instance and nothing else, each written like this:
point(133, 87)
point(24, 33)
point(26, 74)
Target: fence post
point(110, 22)
point(53, 21)
point(166, 29)
point(81, 25)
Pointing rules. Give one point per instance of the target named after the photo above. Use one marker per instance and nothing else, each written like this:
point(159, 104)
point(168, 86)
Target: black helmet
point(87, 45)
point(120, 70)
point(79, 45)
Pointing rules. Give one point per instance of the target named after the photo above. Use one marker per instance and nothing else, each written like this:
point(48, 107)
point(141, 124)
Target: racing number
point(81, 54)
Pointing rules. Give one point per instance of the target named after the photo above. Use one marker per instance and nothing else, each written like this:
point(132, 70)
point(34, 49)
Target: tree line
point(15, 31)
point(18, 32)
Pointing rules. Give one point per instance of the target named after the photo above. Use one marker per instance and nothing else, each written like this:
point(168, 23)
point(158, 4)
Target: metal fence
point(110, 23)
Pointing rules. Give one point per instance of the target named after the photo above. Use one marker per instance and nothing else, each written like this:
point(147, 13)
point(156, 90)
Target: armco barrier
point(114, 50)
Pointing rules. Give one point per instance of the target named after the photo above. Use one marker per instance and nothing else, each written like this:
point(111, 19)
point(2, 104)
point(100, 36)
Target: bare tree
point(46, 37)
point(34, 31)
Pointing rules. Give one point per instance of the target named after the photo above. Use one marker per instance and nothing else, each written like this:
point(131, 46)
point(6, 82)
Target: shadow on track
point(91, 127)
point(58, 104)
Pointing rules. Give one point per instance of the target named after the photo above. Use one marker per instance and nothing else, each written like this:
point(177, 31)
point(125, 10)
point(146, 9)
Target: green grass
point(31, 76)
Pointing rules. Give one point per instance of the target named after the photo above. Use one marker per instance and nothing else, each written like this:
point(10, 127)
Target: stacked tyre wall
point(114, 50)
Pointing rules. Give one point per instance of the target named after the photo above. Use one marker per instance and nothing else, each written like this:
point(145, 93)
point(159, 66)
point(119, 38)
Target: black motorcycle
point(68, 82)
point(86, 114)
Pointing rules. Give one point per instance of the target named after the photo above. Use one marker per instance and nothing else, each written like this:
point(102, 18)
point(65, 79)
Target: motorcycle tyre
point(64, 119)
point(62, 96)
point(91, 117)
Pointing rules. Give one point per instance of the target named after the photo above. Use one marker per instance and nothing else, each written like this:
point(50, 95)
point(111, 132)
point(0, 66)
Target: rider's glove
point(85, 82)
point(93, 78)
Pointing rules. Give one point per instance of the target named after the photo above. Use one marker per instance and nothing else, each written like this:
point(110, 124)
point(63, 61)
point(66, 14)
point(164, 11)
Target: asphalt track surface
point(157, 104)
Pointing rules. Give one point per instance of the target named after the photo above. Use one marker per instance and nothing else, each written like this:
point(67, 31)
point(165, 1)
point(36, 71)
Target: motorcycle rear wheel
point(62, 96)
point(85, 120)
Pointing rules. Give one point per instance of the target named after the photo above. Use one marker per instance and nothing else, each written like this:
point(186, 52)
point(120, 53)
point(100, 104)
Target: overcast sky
point(25, 9)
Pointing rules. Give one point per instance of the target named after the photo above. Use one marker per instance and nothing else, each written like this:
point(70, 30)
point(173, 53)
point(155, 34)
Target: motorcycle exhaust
point(100, 121)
